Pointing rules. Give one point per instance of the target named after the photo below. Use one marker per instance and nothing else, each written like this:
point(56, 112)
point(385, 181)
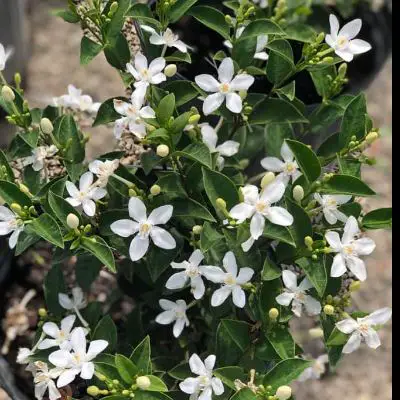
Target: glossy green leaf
point(347, 184)
point(100, 249)
point(378, 219)
point(46, 227)
point(316, 272)
point(212, 18)
point(106, 330)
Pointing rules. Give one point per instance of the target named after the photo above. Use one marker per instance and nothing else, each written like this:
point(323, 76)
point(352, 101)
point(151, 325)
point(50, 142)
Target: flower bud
point(342, 70)
point(8, 94)
point(221, 203)
point(228, 19)
point(244, 163)
point(298, 193)
point(143, 382)
point(329, 310)
point(125, 392)
point(46, 126)
point(327, 60)
point(132, 193)
point(273, 313)
point(24, 189)
point(170, 70)
point(320, 37)
point(267, 179)
point(371, 137)
point(284, 392)
point(243, 94)
point(194, 119)
point(155, 190)
point(162, 150)
point(72, 221)
point(16, 208)
point(308, 241)
point(197, 229)
point(93, 391)
point(17, 79)
point(355, 286)
point(42, 312)
point(114, 7)
point(316, 333)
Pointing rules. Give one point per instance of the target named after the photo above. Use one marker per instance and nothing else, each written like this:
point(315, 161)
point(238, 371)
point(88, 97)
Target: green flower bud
point(114, 7)
point(24, 189)
point(273, 313)
point(194, 119)
point(162, 150)
point(316, 333)
point(320, 37)
point(342, 70)
point(248, 110)
point(143, 382)
point(314, 257)
point(327, 60)
point(308, 241)
point(221, 203)
point(243, 94)
point(46, 126)
point(42, 312)
point(284, 392)
point(132, 193)
point(267, 179)
point(244, 163)
point(228, 19)
point(17, 79)
point(355, 286)
point(125, 392)
point(329, 310)
point(88, 229)
point(16, 208)
point(197, 229)
point(93, 391)
point(170, 70)
point(72, 221)
point(7, 94)
point(155, 190)
point(372, 137)
point(298, 193)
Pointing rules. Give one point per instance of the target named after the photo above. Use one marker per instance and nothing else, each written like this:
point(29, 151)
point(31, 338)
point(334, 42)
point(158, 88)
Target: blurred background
point(47, 55)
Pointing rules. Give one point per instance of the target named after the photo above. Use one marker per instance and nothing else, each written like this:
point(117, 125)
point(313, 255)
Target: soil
point(364, 375)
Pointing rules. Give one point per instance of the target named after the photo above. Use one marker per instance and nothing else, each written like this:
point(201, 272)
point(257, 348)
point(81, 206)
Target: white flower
point(43, 379)
point(86, 195)
point(349, 248)
point(77, 302)
point(343, 42)
point(39, 154)
point(79, 360)
point(60, 337)
point(103, 170)
point(297, 295)
point(174, 312)
point(5, 54)
point(10, 222)
point(167, 38)
point(75, 100)
point(262, 41)
point(226, 149)
point(287, 168)
point(259, 207)
point(23, 355)
point(134, 114)
point(205, 384)
point(145, 228)
point(317, 369)
point(192, 271)
point(230, 278)
point(261, 3)
point(330, 204)
point(224, 88)
point(146, 74)
point(362, 329)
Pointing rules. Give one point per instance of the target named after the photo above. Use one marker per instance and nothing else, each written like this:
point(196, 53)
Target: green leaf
point(302, 225)
point(100, 249)
point(275, 134)
point(244, 394)
point(282, 342)
point(346, 184)
point(141, 356)
point(217, 186)
point(107, 112)
point(197, 152)
point(278, 111)
point(209, 236)
point(25, 241)
point(300, 32)
point(165, 109)
point(171, 183)
point(180, 371)
point(53, 285)
point(156, 384)
point(191, 208)
point(261, 27)
point(337, 338)
point(270, 270)
point(212, 18)
point(89, 50)
point(87, 269)
point(106, 330)
point(126, 368)
point(228, 375)
point(179, 9)
point(280, 62)
point(289, 90)
point(316, 273)
point(47, 228)
point(353, 123)
point(67, 16)
point(277, 232)
point(184, 91)
point(114, 27)
point(321, 83)
point(285, 372)
point(378, 219)
point(117, 52)
point(144, 395)
point(11, 194)
point(307, 160)
point(62, 208)
point(7, 172)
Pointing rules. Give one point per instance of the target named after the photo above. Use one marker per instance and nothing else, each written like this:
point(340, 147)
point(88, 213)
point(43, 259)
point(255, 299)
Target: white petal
point(351, 29)
point(207, 83)
point(305, 285)
point(352, 344)
point(279, 216)
point(234, 103)
point(334, 22)
point(262, 55)
point(248, 244)
point(198, 288)
point(257, 225)
point(330, 41)
point(313, 306)
point(364, 246)
point(5, 228)
point(212, 103)
point(132, 70)
point(289, 279)
point(95, 348)
point(217, 386)
point(47, 344)
point(160, 215)
point(297, 308)
point(242, 211)
point(196, 258)
point(250, 194)
point(358, 46)
point(158, 78)
point(67, 377)
point(51, 329)
point(85, 181)
point(228, 148)
point(238, 297)
point(372, 339)
point(286, 154)
point(229, 263)
point(285, 299)
point(346, 54)
point(166, 317)
point(242, 82)
point(180, 46)
point(177, 281)
point(6, 214)
point(178, 328)
point(206, 394)
point(65, 301)
point(12, 241)
point(330, 216)
point(220, 295)
point(167, 304)
point(71, 189)
point(162, 238)
point(209, 362)
point(147, 112)
point(53, 391)
point(78, 340)
point(157, 65)
point(60, 358)
point(87, 370)
point(378, 317)
point(138, 247)
point(333, 240)
point(347, 326)
point(273, 192)
point(226, 70)
point(245, 275)
point(140, 62)
point(89, 207)
point(350, 230)
point(272, 164)
point(338, 266)
point(213, 274)
point(357, 267)
point(196, 365)
point(189, 385)
point(148, 29)
point(209, 137)
point(124, 227)
point(137, 209)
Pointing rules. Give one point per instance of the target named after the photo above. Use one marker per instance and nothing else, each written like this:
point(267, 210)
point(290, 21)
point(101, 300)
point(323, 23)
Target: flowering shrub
point(217, 259)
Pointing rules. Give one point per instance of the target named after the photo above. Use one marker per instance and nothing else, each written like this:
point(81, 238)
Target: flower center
point(224, 88)
point(300, 296)
point(180, 314)
point(145, 229)
point(230, 279)
point(145, 73)
point(331, 203)
point(364, 328)
point(261, 206)
point(192, 271)
point(348, 250)
point(204, 380)
point(290, 168)
point(77, 357)
point(342, 41)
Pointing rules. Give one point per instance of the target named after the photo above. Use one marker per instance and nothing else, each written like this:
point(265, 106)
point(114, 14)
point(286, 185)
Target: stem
point(84, 323)
point(256, 178)
point(2, 79)
point(123, 180)
point(219, 125)
point(164, 50)
point(326, 52)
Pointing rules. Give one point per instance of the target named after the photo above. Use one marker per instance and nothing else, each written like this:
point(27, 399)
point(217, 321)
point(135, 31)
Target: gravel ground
point(364, 375)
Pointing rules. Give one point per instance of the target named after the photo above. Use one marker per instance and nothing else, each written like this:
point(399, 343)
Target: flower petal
point(60, 358)
point(234, 103)
point(166, 317)
point(229, 263)
point(196, 258)
point(226, 70)
point(378, 317)
point(228, 148)
point(364, 246)
point(242, 211)
point(51, 329)
point(238, 296)
point(178, 327)
point(245, 275)
point(6, 214)
point(67, 377)
point(242, 82)
point(209, 362)
point(207, 83)
point(279, 216)
point(209, 137)
point(350, 230)
point(352, 344)
point(217, 386)
point(257, 225)
point(71, 189)
point(162, 238)
point(313, 306)
point(65, 301)
point(347, 326)
point(157, 65)
point(333, 240)
point(334, 23)
point(289, 279)
point(124, 227)
point(85, 181)
point(358, 46)
point(189, 385)
point(137, 209)
point(87, 371)
point(177, 281)
point(273, 192)
point(272, 164)
point(212, 103)
point(220, 295)
point(160, 215)
point(198, 288)
point(213, 274)
point(138, 247)
point(95, 348)
point(351, 29)
point(338, 266)
point(196, 365)
point(89, 207)
point(357, 267)
point(285, 299)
